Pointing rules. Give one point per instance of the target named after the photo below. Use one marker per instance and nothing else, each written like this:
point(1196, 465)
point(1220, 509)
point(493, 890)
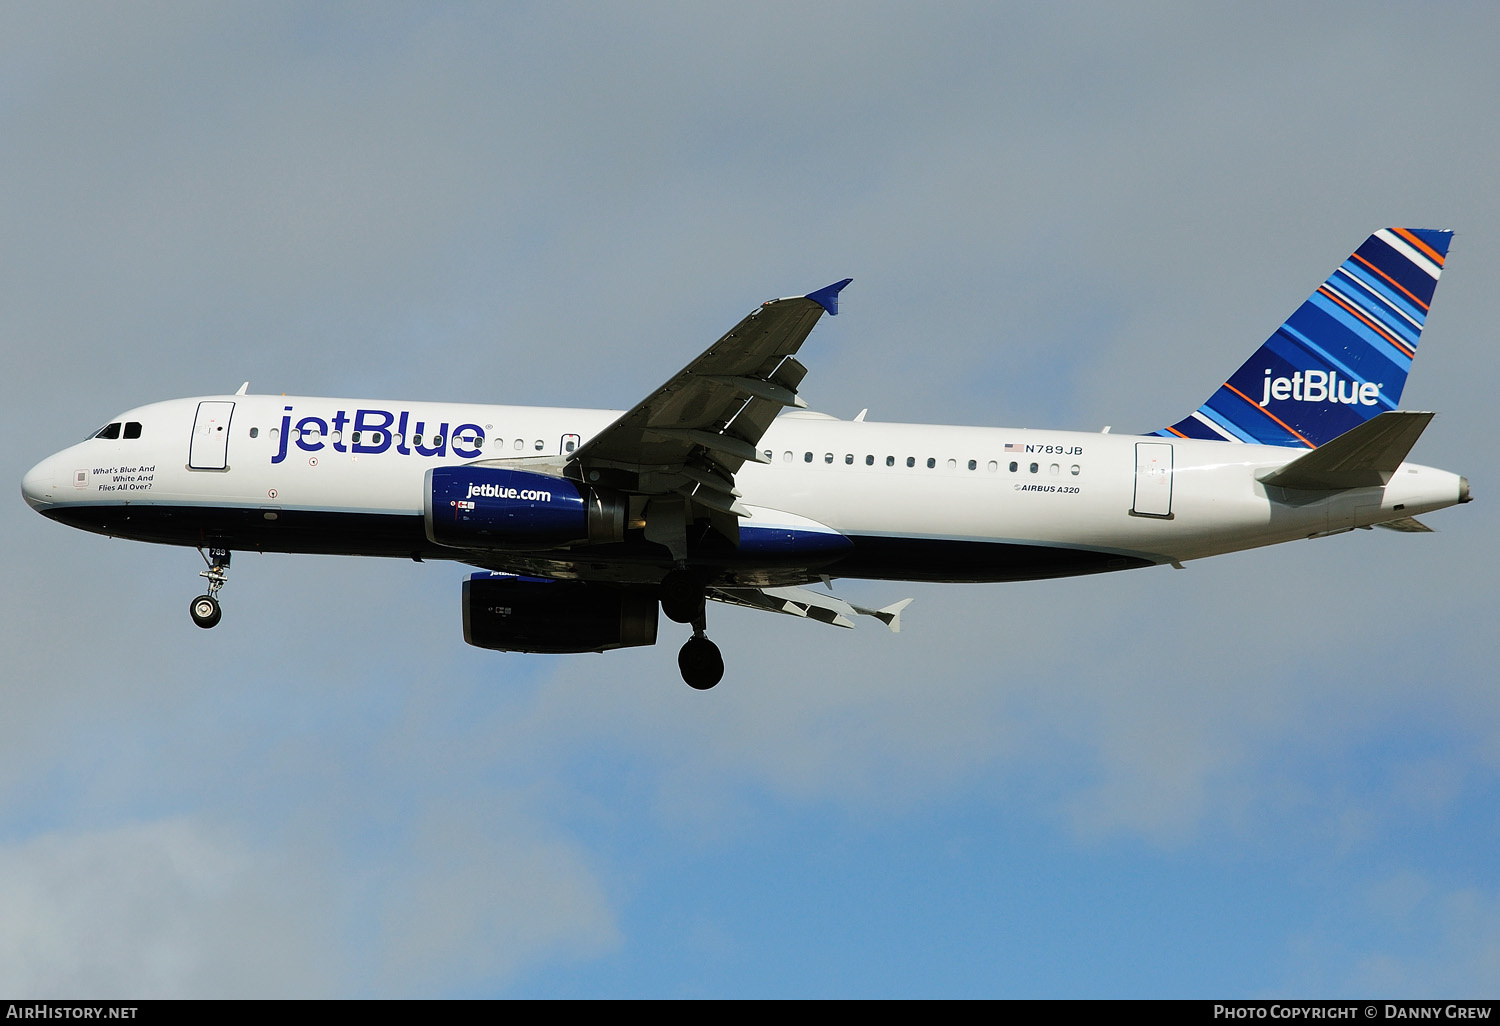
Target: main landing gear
point(682, 600)
point(205, 608)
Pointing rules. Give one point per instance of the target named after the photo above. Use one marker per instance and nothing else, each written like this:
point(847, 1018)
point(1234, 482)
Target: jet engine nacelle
point(489, 507)
point(526, 614)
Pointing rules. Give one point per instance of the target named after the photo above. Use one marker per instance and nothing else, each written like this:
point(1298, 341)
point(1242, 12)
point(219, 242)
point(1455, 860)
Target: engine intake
point(528, 614)
point(490, 507)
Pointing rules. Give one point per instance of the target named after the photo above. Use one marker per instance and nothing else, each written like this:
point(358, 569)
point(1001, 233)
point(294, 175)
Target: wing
point(685, 442)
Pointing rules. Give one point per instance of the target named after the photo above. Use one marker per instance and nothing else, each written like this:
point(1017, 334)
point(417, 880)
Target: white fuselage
point(925, 502)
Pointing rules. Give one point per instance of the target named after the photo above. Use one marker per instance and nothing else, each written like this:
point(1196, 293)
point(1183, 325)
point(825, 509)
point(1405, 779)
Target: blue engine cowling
point(529, 614)
point(490, 507)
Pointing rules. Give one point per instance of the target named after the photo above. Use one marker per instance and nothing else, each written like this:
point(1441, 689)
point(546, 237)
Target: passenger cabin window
point(869, 461)
point(538, 445)
point(1033, 468)
point(110, 431)
point(848, 459)
point(973, 465)
point(807, 457)
point(911, 461)
point(255, 432)
point(828, 457)
point(890, 461)
point(132, 429)
point(520, 444)
point(931, 462)
point(1014, 466)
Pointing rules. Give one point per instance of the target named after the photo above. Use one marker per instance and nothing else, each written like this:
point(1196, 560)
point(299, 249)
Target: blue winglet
point(828, 297)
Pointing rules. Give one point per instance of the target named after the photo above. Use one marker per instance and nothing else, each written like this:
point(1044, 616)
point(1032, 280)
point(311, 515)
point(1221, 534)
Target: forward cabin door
point(1153, 479)
point(210, 448)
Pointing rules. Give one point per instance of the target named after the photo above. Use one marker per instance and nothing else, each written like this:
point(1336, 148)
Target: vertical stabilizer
point(1341, 358)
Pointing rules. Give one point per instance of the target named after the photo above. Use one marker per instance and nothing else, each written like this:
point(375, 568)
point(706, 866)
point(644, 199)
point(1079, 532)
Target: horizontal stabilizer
point(1407, 525)
point(1362, 457)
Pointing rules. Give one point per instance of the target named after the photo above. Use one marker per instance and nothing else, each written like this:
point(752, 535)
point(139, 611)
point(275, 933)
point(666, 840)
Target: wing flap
point(815, 605)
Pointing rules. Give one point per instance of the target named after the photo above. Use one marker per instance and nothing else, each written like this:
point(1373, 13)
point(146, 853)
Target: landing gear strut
point(699, 660)
point(682, 599)
point(682, 596)
point(205, 608)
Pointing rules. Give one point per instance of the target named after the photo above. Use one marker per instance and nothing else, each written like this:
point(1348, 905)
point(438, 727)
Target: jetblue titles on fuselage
point(377, 431)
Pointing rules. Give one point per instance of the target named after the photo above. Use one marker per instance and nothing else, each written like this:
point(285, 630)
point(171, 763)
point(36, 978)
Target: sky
point(1269, 774)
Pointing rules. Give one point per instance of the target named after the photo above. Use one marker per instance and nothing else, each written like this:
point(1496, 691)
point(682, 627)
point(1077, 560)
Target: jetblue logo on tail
point(1341, 358)
point(1315, 386)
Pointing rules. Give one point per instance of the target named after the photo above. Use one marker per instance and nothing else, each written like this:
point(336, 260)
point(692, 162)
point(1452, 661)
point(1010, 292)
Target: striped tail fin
point(1341, 358)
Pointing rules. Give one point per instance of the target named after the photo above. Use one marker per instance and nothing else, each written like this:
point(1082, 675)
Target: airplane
point(721, 485)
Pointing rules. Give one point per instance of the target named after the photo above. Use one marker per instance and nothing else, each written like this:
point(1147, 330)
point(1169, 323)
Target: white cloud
point(469, 900)
point(176, 909)
point(1406, 936)
point(160, 910)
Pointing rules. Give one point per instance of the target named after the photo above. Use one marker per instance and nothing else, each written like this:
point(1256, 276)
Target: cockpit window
point(109, 431)
point(132, 429)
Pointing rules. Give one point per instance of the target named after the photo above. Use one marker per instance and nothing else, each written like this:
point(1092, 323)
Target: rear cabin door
point(1153, 479)
point(210, 448)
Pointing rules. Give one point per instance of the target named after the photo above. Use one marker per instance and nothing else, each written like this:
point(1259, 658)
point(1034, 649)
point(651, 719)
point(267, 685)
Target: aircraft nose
point(39, 486)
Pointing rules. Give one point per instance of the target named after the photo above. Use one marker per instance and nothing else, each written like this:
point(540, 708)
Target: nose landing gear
point(205, 608)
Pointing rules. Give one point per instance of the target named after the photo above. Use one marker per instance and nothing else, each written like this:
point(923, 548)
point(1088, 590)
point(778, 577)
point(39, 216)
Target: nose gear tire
point(205, 610)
